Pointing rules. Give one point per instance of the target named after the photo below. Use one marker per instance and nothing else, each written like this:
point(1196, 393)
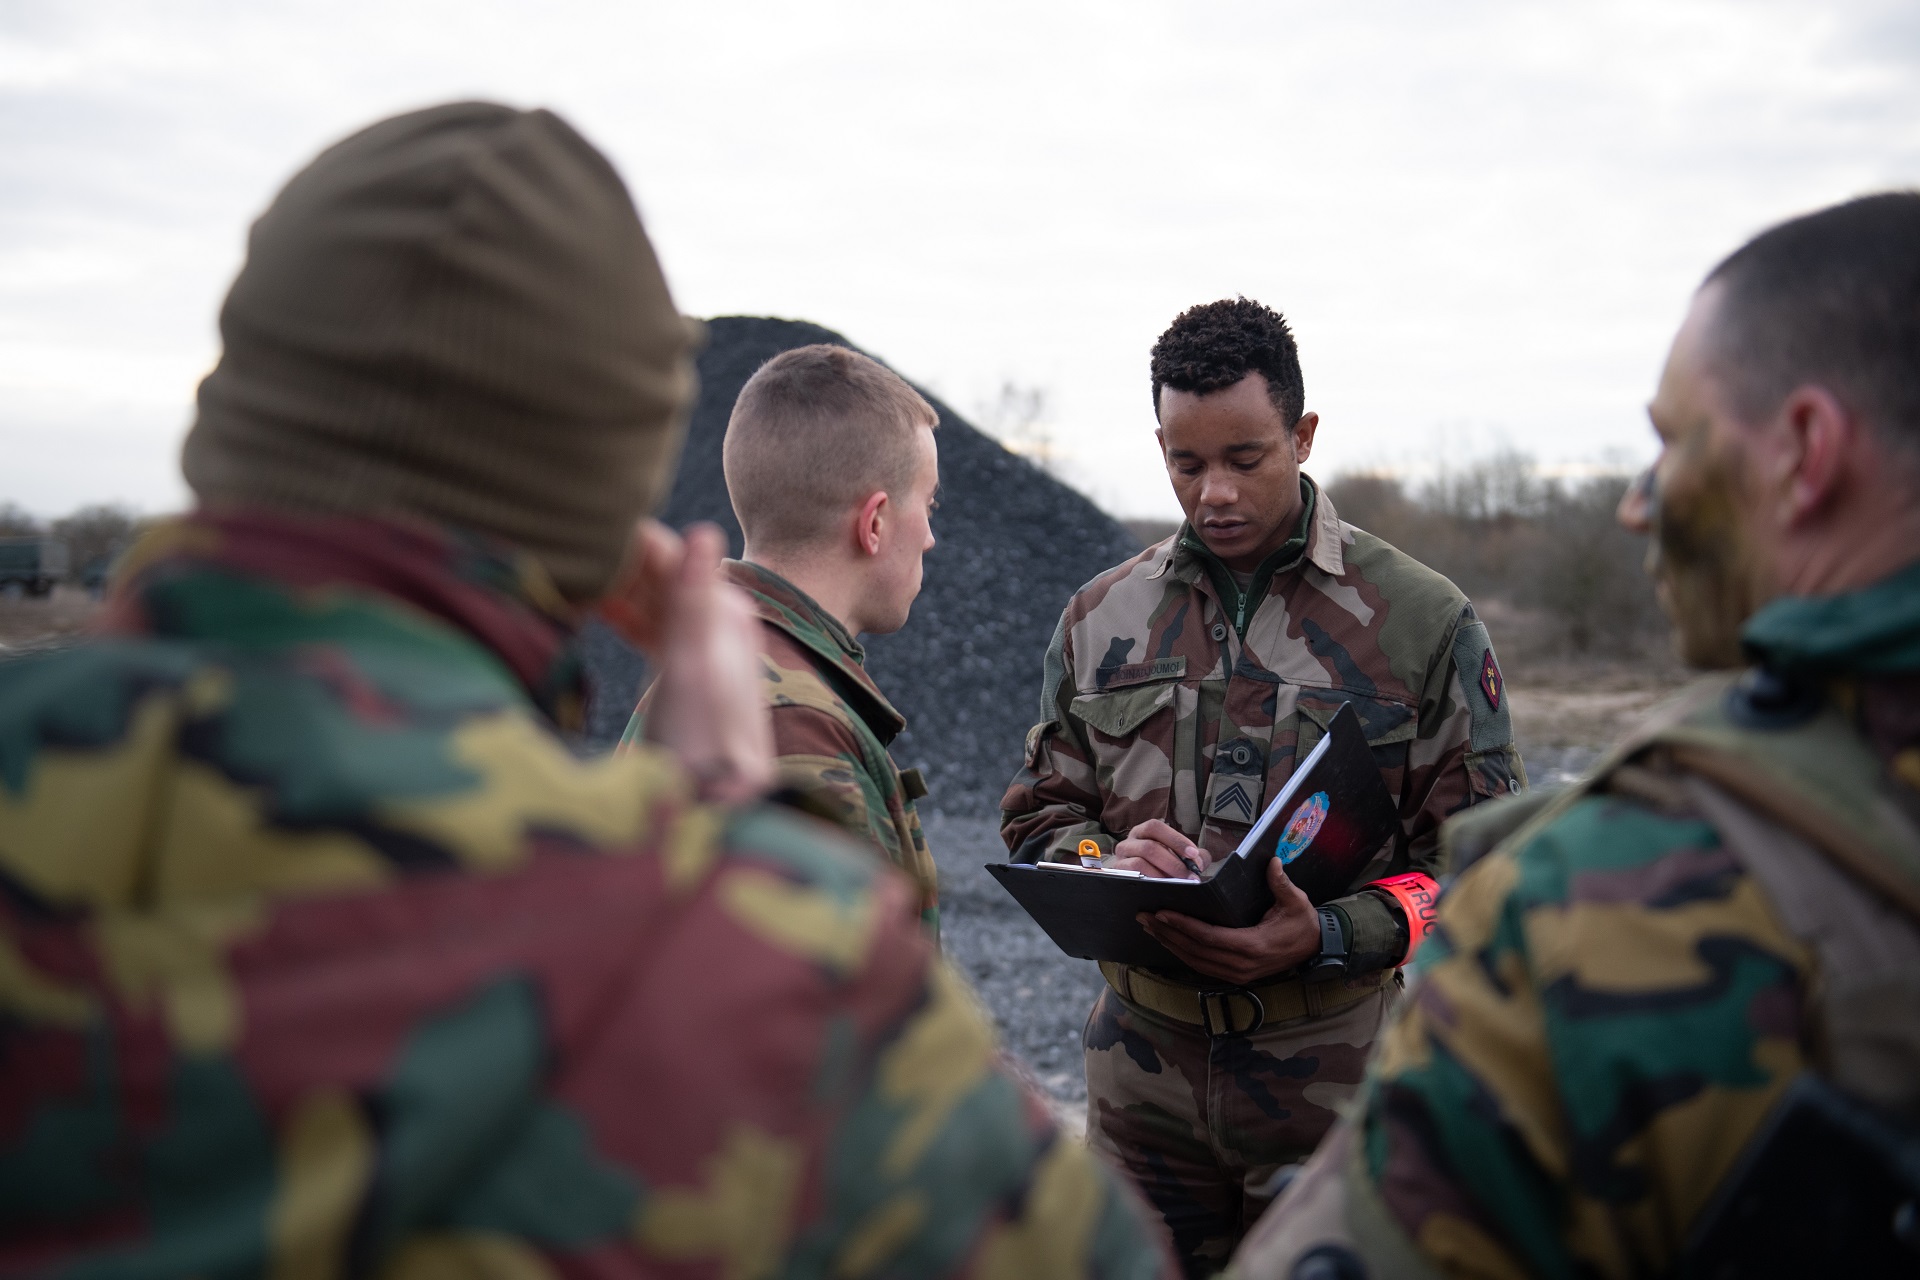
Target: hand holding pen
point(1154, 848)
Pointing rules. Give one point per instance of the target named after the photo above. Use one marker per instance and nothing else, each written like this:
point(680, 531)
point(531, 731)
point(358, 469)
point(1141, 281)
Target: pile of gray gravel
point(1038, 997)
point(1012, 545)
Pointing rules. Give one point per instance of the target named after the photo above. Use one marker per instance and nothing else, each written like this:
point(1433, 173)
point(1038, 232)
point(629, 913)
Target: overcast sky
point(1483, 219)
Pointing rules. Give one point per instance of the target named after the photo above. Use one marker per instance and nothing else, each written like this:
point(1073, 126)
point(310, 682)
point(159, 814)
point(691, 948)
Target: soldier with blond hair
point(832, 470)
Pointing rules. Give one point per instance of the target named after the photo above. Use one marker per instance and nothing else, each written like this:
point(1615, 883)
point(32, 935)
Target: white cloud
point(1485, 214)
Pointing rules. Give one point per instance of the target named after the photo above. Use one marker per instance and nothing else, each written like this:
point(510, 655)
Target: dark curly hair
point(1214, 345)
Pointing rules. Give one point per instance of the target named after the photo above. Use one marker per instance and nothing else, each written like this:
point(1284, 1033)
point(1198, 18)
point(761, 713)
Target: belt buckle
point(1223, 994)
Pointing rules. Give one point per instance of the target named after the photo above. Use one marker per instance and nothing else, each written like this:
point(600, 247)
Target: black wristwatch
point(1332, 960)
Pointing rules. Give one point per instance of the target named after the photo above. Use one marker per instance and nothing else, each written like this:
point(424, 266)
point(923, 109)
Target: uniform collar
point(782, 605)
point(1873, 631)
point(1325, 544)
point(499, 597)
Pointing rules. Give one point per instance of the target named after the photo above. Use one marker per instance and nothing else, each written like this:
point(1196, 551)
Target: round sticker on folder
point(1302, 827)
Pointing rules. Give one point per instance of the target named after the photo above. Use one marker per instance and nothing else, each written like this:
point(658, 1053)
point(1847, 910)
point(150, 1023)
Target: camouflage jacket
point(1171, 694)
point(831, 727)
point(321, 955)
point(1614, 1001)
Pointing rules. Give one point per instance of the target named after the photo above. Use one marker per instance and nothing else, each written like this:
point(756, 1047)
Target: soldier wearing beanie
point(322, 954)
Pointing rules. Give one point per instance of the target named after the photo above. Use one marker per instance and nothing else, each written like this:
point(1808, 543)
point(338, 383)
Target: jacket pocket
point(1131, 737)
point(1384, 723)
point(1120, 712)
point(1390, 728)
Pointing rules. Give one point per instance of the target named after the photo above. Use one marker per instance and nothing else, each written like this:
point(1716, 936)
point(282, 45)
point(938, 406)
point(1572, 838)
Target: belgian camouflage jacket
point(1159, 701)
point(322, 954)
point(831, 727)
point(1614, 999)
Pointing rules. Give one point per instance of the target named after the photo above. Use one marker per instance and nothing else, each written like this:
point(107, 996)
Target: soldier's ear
point(1303, 436)
point(1816, 436)
point(869, 525)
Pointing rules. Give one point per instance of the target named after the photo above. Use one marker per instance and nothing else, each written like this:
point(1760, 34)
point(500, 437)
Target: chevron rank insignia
point(1490, 682)
point(1232, 799)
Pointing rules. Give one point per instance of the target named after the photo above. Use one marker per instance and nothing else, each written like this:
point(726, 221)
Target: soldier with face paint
point(1180, 691)
point(1642, 993)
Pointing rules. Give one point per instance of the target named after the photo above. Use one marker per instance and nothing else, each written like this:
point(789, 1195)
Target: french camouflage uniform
point(831, 727)
point(321, 955)
point(1172, 693)
point(1622, 990)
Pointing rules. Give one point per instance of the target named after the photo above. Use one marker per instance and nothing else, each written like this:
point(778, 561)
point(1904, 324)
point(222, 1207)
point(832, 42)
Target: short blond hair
point(815, 430)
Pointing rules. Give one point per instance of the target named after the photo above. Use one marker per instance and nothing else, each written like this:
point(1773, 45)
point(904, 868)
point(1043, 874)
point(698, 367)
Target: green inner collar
point(1874, 630)
point(1242, 605)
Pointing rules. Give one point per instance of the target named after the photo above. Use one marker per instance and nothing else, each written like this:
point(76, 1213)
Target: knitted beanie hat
point(453, 314)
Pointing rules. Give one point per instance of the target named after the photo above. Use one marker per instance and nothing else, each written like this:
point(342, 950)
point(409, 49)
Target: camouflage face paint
point(1701, 556)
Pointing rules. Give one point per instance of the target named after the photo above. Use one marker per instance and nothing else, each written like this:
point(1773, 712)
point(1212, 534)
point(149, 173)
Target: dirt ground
point(1566, 713)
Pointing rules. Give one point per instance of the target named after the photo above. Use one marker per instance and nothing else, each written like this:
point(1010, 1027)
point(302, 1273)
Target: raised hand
point(702, 637)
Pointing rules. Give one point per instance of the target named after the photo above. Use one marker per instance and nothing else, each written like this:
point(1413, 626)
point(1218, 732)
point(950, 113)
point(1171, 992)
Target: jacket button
point(1240, 753)
point(1219, 632)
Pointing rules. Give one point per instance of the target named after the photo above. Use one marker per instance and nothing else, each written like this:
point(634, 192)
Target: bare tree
point(17, 523)
point(1502, 532)
point(95, 537)
point(1499, 486)
point(1585, 572)
point(1376, 501)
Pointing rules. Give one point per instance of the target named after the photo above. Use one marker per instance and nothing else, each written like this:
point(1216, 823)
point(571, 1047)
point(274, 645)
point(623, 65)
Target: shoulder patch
point(1482, 686)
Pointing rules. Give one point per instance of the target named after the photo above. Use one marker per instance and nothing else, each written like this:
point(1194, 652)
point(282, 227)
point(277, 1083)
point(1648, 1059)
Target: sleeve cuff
point(1376, 937)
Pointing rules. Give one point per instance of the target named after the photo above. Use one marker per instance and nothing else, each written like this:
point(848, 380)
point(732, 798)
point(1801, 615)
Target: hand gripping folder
point(1326, 824)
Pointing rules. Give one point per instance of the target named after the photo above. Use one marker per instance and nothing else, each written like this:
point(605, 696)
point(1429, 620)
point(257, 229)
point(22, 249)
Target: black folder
point(1325, 825)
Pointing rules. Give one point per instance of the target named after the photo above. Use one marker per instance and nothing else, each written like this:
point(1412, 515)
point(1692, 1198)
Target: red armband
point(1416, 895)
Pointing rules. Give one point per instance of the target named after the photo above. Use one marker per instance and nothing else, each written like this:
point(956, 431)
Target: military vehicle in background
point(31, 566)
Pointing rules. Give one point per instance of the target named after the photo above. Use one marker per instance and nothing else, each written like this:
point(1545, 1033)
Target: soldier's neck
point(1872, 541)
point(834, 586)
